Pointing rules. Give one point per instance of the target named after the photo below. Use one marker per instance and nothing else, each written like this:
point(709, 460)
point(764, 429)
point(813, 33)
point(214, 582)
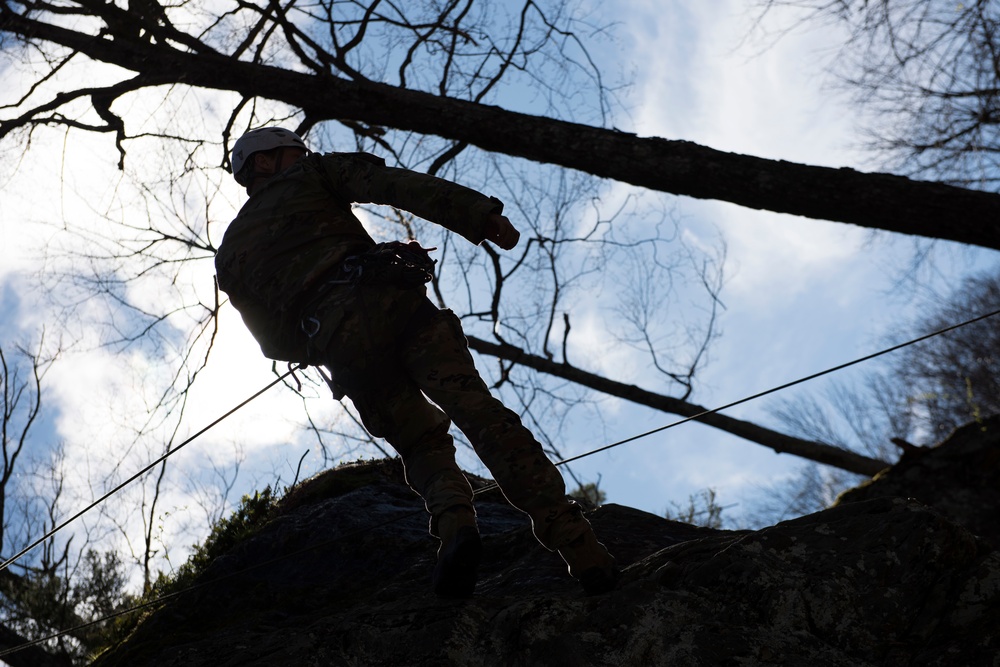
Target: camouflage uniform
point(387, 346)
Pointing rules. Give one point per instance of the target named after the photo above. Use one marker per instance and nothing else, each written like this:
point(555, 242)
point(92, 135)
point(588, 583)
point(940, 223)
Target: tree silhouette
point(929, 73)
point(432, 74)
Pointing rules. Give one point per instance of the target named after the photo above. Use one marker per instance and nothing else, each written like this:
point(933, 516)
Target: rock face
point(902, 571)
point(960, 479)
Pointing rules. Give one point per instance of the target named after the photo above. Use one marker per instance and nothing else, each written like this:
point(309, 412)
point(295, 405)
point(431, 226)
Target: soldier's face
point(277, 161)
point(288, 157)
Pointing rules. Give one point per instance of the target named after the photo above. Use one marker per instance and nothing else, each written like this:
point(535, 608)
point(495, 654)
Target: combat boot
point(461, 548)
point(591, 564)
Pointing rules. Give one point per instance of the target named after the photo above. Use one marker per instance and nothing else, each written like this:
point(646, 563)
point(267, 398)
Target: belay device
point(391, 263)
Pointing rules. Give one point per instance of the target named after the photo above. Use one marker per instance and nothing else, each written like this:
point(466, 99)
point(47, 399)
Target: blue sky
point(801, 295)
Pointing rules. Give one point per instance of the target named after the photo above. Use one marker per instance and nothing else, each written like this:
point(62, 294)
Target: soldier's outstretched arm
point(363, 178)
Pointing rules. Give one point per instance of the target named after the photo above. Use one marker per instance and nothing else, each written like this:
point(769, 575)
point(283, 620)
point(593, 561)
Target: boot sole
point(455, 573)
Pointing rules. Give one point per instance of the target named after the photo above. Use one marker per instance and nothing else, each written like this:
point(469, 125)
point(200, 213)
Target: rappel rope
point(484, 489)
point(782, 387)
point(137, 475)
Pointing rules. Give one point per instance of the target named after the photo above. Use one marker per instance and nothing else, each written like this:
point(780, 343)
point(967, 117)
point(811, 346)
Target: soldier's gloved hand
point(501, 232)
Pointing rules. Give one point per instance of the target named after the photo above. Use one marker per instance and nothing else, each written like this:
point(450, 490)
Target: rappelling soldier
point(313, 287)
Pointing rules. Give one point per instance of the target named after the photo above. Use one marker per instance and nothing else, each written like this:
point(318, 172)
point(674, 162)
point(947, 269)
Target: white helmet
point(262, 139)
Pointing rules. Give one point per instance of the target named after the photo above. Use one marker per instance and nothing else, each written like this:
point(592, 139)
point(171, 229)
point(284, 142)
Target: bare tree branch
point(779, 442)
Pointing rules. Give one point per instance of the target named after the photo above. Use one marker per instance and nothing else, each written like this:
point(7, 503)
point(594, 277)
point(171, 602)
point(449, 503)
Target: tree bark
point(872, 200)
point(779, 442)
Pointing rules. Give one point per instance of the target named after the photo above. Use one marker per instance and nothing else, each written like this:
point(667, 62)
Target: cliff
point(904, 570)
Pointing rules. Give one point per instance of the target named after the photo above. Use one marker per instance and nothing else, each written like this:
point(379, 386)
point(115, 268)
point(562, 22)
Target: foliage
point(922, 392)
point(929, 73)
point(703, 509)
point(590, 494)
point(917, 396)
point(143, 268)
point(954, 378)
point(55, 587)
point(248, 518)
point(178, 81)
point(252, 513)
point(809, 489)
point(42, 602)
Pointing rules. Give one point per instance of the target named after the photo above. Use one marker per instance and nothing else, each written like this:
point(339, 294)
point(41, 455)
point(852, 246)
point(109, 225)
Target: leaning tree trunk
point(877, 201)
point(779, 442)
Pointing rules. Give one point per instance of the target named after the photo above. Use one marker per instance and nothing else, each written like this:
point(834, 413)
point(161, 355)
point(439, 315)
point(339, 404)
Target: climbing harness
point(392, 264)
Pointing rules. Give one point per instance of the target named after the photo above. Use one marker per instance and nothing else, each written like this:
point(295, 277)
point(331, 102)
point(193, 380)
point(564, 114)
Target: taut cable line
point(784, 386)
point(773, 390)
point(137, 475)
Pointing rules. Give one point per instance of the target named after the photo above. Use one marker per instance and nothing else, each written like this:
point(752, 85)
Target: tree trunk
point(779, 442)
point(877, 201)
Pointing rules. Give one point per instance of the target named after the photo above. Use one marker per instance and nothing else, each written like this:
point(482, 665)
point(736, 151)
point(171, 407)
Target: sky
point(801, 295)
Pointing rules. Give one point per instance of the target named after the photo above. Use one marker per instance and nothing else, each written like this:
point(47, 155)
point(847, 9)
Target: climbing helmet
point(261, 139)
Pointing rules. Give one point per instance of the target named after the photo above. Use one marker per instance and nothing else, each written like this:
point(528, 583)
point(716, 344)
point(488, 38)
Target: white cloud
point(697, 86)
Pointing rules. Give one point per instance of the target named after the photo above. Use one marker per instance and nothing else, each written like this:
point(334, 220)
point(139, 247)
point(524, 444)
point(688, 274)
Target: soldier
point(313, 287)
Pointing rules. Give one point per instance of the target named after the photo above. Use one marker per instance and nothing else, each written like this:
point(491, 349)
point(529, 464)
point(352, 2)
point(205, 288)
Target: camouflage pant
point(390, 362)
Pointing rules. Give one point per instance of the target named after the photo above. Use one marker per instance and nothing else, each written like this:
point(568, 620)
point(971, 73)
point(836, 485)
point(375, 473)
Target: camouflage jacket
point(299, 226)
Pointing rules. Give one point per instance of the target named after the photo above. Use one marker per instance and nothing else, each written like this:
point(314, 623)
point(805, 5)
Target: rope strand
point(136, 476)
point(780, 387)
